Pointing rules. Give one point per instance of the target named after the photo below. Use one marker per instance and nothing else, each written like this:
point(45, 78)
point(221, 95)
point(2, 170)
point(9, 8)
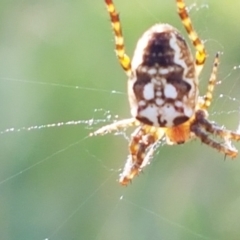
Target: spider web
point(60, 81)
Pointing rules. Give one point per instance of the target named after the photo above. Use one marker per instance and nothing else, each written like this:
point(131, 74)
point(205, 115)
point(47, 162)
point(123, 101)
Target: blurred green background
point(58, 183)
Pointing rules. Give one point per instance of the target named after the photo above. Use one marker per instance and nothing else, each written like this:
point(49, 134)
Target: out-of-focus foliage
point(58, 183)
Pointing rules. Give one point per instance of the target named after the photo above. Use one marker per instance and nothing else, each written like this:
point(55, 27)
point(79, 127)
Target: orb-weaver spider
point(163, 92)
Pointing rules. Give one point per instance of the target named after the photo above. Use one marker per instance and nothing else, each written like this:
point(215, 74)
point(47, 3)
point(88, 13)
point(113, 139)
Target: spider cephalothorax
point(163, 92)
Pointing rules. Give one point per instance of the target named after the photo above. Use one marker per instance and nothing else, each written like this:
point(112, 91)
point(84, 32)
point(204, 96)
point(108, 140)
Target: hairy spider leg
point(202, 124)
point(123, 58)
point(116, 126)
point(211, 84)
point(141, 148)
point(200, 55)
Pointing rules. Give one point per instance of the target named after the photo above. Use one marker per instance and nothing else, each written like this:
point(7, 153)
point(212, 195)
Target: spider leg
point(200, 56)
point(225, 149)
point(116, 126)
point(203, 125)
point(211, 84)
point(141, 147)
point(215, 129)
point(123, 58)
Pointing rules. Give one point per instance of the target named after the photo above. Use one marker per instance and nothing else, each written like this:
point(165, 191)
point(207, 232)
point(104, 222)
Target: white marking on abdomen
point(148, 91)
point(170, 91)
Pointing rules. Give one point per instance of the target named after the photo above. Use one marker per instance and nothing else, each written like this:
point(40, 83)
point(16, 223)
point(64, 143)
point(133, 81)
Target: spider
point(163, 92)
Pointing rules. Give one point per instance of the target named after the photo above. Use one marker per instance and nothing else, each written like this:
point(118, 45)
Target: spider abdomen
point(163, 89)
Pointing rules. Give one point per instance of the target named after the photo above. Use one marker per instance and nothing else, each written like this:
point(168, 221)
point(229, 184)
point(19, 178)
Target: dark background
point(57, 182)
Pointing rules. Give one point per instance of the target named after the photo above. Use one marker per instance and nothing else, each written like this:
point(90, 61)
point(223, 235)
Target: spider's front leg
point(141, 148)
point(202, 127)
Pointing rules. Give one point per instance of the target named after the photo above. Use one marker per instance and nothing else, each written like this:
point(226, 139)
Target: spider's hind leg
point(123, 58)
point(200, 56)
